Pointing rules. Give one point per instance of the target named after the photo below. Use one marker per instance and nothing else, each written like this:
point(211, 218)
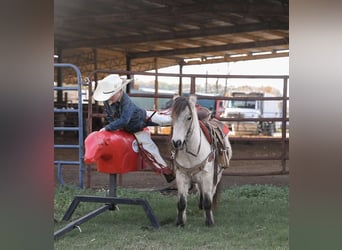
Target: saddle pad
point(218, 124)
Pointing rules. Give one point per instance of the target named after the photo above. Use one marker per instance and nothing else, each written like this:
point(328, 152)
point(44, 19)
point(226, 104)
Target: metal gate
point(78, 128)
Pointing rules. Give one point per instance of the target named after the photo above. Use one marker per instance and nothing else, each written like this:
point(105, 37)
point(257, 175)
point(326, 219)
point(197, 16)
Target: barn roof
point(152, 34)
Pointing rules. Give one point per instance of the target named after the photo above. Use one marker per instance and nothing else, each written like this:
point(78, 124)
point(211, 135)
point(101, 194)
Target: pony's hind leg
point(200, 191)
point(200, 203)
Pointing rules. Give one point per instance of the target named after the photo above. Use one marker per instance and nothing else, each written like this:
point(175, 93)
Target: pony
point(195, 160)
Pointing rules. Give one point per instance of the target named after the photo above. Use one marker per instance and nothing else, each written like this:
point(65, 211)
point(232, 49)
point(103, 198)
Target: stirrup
point(224, 158)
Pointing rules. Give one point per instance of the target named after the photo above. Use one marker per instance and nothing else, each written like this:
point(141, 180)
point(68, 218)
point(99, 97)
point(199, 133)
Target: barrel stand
point(110, 203)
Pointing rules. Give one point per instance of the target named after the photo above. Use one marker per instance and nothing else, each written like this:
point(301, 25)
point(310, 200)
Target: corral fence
point(84, 114)
point(188, 83)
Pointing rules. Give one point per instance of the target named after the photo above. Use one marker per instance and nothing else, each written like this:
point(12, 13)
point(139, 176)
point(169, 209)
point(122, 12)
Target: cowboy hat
point(109, 86)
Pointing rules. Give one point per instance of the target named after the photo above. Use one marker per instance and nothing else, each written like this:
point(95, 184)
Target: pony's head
point(184, 117)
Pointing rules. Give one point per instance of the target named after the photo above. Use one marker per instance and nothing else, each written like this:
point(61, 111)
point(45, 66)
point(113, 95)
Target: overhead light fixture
point(214, 57)
point(192, 60)
point(283, 51)
point(238, 55)
point(261, 53)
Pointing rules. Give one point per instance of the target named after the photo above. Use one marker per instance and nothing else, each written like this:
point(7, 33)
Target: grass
point(248, 217)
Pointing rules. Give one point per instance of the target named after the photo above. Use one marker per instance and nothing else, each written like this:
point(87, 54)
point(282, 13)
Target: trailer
point(249, 105)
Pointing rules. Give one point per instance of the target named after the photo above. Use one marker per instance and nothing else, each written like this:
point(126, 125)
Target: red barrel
point(112, 151)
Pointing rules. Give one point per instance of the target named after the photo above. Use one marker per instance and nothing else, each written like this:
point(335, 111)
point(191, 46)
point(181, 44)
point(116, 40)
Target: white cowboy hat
point(109, 86)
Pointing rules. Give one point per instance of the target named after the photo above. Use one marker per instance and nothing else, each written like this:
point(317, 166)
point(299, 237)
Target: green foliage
point(248, 217)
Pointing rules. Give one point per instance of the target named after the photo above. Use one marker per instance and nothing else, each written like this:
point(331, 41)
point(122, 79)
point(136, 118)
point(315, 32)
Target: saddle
point(215, 131)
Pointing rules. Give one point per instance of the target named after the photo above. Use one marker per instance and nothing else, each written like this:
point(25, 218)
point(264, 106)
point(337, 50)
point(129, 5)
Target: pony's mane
point(179, 104)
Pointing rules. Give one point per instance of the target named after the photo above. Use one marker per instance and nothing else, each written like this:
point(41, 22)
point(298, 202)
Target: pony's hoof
point(180, 224)
point(209, 223)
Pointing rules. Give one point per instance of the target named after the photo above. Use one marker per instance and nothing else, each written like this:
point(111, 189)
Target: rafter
point(175, 35)
point(245, 9)
point(236, 46)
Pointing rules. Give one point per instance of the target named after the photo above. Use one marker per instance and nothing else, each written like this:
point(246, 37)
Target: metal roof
point(148, 34)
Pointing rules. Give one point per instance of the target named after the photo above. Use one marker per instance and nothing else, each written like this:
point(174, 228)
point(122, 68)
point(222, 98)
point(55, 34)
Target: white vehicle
point(250, 108)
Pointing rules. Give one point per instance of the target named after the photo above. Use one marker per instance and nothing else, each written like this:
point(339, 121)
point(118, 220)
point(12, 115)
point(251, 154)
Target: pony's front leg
point(208, 203)
point(183, 184)
point(208, 212)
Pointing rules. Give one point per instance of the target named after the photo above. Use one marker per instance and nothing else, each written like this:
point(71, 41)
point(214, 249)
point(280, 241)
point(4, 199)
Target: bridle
point(197, 168)
point(189, 134)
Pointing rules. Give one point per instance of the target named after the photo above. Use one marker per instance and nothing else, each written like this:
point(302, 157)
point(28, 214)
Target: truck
point(250, 108)
point(216, 106)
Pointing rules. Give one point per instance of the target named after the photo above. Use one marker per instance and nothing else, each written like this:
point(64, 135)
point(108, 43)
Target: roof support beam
point(234, 46)
point(234, 59)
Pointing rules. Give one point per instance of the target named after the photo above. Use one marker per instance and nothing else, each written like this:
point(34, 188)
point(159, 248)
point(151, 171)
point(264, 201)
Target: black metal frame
point(110, 204)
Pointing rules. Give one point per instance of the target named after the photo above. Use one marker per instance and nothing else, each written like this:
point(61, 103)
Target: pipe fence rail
point(283, 139)
point(192, 86)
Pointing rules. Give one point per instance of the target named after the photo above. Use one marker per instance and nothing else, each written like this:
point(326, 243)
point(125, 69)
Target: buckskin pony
point(196, 158)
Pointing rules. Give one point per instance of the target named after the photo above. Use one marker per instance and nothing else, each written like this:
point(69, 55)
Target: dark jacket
point(124, 114)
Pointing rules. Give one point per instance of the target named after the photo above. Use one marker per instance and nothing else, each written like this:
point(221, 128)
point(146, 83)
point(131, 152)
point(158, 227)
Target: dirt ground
point(234, 175)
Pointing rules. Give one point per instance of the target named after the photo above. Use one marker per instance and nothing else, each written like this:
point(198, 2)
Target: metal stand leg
point(112, 185)
point(110, 203)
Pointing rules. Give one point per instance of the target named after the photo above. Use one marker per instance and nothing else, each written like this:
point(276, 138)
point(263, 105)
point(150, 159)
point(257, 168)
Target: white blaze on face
point(182, 123)
point(180, 126)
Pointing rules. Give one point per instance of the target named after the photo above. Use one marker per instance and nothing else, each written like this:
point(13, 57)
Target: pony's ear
point(193, 99)
point(174, 97)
